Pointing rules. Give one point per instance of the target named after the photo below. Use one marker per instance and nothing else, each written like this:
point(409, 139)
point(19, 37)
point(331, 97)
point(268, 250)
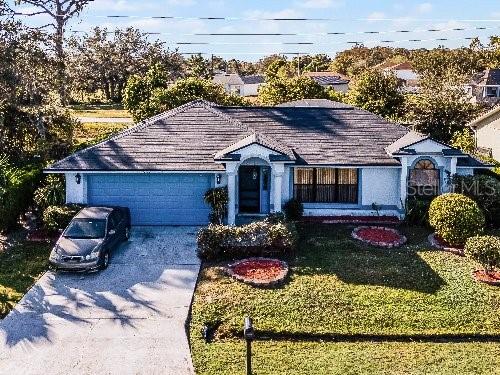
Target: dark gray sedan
point(86, 244)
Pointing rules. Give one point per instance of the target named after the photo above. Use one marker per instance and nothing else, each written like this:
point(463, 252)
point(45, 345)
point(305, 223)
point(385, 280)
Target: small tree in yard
point(217, 199)
point(485, 250)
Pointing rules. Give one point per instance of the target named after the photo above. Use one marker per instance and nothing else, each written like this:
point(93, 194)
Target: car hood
point(74, 246)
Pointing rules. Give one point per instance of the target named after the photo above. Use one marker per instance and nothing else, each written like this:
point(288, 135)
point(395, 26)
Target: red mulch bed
point(352, 219)
point(379, 236)
point(259, 271)
point(438, 242)
point(41, 235)
point(492, 278)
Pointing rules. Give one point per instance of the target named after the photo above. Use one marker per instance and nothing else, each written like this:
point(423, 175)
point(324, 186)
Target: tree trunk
point(61, 64)
point(106, 89)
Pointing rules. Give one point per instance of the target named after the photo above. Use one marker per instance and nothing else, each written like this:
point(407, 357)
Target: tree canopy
point(148, 95)
point(280, 90)
point(378, 92)
point(105, 60)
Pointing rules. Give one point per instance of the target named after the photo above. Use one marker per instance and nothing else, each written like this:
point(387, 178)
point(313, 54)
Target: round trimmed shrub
point(485, 250)
point(455, 218)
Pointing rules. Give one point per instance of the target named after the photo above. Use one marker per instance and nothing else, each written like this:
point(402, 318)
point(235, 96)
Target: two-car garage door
point(154, 198)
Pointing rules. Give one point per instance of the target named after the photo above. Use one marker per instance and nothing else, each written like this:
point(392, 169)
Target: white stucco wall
point(488, 136)
point(250, 89)
point(380, 186)
point(339, 87)
point(76, 193)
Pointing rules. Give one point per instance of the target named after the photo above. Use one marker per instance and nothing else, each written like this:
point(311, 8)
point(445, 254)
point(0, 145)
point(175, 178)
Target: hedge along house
point(335, 158)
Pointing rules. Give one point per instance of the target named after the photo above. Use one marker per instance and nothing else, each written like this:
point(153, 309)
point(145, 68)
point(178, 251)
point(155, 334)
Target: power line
point(337, 33)
point(329, 53)
point(293, 19)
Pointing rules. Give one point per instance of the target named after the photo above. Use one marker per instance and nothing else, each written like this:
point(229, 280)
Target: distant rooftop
point(487, 77)
point(328, 78)
point(316, 103)
point(236, 79)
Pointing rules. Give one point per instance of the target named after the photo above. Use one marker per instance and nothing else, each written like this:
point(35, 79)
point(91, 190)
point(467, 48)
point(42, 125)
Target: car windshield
point(85, 228)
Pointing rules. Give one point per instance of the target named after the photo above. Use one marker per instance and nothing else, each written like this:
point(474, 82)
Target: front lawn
point(341, 287)
point(92, 132)
point(20, 267)
point(102, 110)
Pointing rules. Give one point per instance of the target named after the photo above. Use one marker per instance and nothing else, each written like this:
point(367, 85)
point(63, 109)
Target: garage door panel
point(154, 199)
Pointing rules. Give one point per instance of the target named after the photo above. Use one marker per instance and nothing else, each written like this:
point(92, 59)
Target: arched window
point(424, 179)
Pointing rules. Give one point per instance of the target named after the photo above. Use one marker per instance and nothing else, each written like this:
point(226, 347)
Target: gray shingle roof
point(487, 77)
point(236, 79)
point(188, 138)
point(251, 80)
point(329, 80)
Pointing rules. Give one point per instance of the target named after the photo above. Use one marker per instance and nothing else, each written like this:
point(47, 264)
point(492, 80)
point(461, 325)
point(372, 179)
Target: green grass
point(300, 358)
point(338, 286)
point(97, 131)
point(102, 110)
point(20, 267)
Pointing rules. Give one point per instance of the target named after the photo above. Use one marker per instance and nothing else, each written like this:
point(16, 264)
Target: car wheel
point(127, 233)
point(104, 260)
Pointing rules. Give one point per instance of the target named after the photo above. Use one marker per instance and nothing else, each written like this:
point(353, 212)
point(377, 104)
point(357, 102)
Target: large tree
point(29, 125)
point(378, 92)
point(441, 108)
point(148, 95)
point(280, 90)
point(105, 60)
point(199, 67)
point(60, 12)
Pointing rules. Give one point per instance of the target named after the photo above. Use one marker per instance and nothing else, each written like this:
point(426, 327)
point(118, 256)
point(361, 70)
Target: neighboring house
point(485, 87)
point(333, 80)
point(487, 132)
point(404, 72)
point(335, 158)
point(240, 85)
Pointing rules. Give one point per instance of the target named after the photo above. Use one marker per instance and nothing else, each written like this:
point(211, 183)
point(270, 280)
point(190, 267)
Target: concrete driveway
point(128, 319)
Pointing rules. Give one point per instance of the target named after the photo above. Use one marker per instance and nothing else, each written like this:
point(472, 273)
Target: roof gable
point(259, 139)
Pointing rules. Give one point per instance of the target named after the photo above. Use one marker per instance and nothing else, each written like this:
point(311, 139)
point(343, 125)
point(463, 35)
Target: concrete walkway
point(128, 319)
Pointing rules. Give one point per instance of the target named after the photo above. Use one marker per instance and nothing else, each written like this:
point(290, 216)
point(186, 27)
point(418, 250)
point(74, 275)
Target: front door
point(249, 189)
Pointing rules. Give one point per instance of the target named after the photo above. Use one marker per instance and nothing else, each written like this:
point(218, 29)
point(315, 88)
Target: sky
point(357, 18)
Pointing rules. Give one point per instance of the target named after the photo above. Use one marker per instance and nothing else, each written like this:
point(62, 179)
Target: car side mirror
point(112, 232)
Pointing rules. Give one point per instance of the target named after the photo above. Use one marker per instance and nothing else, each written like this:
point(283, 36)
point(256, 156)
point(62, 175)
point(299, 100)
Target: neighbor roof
point(487, 77)
point(479, 121)
point(187, 138)
point(328, 78)
point(316, 103)
point(236, 79)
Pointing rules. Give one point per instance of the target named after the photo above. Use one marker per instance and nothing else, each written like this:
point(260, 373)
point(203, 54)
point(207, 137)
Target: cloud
point(424, 8)
point(319, 4)
point(184, 3)
point(376, 16)
point(116, 6)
